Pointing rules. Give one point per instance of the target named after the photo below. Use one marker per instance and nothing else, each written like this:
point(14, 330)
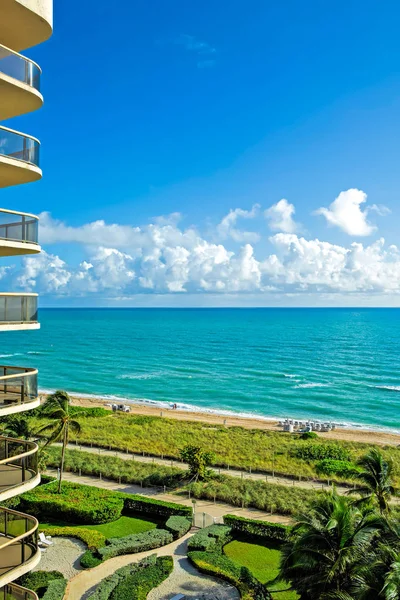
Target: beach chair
point(46, 541)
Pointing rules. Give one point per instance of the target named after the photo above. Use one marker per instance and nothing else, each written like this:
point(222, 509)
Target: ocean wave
point(9, 355)
point(290, 375)
point(311, 385)
point(35, 352)
point(389, 388)
point(141, 376)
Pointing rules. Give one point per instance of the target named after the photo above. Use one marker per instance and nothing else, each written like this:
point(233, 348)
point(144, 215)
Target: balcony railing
point(18, 465)
point(19, 146)
point(19, 67)
point(18, 227)
point(18, 386)
point(18, 543)
point(16, 592)
point(18, 309)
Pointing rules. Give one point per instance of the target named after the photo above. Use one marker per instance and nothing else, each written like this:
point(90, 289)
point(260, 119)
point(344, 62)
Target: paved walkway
point(289, 482)
point(215, 509)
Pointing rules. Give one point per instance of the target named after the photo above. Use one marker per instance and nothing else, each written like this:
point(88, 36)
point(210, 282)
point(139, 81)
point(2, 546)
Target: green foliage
point(132, 544)
point(178, 526)
point(198, 460)
point(150, 506)
point(142, 577)
point(318, 451)
point(92, 538)
point(90, 559)
point(38, 581)
point(92, 412)
point(210, 538)
point(264, 529)
point(56, 590)
point(342, 468)
point(309, 435)
point(112, 467)
point(77, 503)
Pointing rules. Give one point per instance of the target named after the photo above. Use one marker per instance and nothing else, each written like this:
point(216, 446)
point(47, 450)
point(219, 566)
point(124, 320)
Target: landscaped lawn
point(263, 562)
point(123, 526)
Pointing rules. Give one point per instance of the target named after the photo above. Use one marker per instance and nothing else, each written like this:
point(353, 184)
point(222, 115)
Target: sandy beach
point(350, 435)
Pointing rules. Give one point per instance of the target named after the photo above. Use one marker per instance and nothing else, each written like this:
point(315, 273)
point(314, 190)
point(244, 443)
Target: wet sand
point(350, 435)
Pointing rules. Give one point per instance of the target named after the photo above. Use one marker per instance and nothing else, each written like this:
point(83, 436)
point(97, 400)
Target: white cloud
point(227, 227)
point(280, 217)
point(204, 51)
point(345, 212)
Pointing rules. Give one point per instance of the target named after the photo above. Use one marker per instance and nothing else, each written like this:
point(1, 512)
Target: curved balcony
point(18, 233)
point(18, 390)
point(19, 84)
point(18, 467)
point(16, 592)
point(25, 23)
point(18, 311)
point(19, 158)
point(19, 552)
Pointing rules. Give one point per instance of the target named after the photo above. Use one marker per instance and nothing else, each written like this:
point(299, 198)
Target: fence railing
point(16, 592)
point(18, 227)
point(20, 146)
point(19, 67)
point(18, 463)
point(18, 308)
point(18, 385)
point(18, 540)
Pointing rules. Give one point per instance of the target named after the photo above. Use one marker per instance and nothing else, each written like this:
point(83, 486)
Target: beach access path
point(279, 480)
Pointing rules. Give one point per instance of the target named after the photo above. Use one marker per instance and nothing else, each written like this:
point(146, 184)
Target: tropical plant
point(57, 408)
point(327, 547)
point(198, 460)
point(16, 426)
point(376, 479)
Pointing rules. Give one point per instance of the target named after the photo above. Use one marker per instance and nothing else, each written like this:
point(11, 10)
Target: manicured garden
point(123, 526)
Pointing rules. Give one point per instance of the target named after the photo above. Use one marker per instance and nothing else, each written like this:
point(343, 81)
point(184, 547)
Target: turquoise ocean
point(340, 365)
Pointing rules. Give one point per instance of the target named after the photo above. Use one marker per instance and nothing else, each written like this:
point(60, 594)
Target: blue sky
point(200, 108)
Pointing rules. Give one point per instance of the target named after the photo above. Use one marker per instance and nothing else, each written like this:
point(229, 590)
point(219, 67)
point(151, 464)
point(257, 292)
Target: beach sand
point(350, 435)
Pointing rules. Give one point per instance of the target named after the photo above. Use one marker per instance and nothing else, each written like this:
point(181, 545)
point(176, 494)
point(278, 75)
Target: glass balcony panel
point(18, 309)
point(17, 227)
point(18, 67)
point(20, 388)
point(19, 146)
point(18, 463)
point(16, 592)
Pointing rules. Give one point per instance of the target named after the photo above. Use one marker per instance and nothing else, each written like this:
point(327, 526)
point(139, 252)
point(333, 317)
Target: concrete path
point(217, 509)
point(287, 481)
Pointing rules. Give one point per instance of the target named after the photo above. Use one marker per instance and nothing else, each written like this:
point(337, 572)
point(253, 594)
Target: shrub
point(309, 435)
point(210, 538)
point(140, 542)
point(272, 531)
point(178, 526)
point(56, 590)
point(77, 503)
point(342, 468)
point(39, 581)
point(149, 506)
point(138, 585)
point(95, 411)
point(93, 539)
point(317, 451)
point(89, 559)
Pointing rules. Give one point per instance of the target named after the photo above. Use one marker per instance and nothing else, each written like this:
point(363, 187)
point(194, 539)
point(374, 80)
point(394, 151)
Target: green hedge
point(219, 565)
point(56, 590)
point(148, 506)
point(139, 542)
point(342, 468)
point(89, 559)
point(77, 503)
point(39, 581)
point(141, 577)
point(316, 451)
point(93, 539)
point(250, 527)
point(210, 538)
point(178, 526)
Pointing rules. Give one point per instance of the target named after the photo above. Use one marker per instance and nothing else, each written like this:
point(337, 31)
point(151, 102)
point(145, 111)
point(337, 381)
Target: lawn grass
point(263, 562)
point(123, 526)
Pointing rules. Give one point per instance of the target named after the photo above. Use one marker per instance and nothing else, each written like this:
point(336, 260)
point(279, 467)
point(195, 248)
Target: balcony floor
point(11, 476)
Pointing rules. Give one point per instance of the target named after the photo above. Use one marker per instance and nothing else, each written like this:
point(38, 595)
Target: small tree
point(198, 460)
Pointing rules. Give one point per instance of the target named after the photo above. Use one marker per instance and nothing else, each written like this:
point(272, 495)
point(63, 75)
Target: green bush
point(56, 590)
point(131, 544)
point(178, 526)
point(39, 581)
point(93, 539)
point(210, 538)
point(342, 468)
point(77, 503)
point(150, 506)
point(317, 451)
point(89, 559)
point(95, 411)
point(250, 527)
point(309, 435)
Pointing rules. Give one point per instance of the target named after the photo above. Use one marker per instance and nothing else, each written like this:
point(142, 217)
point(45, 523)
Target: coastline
point(230, 420)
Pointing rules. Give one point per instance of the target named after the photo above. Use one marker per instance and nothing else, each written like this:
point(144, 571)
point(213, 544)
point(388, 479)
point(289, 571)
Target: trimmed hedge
point(89, 560)
point(139, 542)
point(142, 577)
point(178, 526)
point(39, 581)
point(219, 565)
point(210, 538)
point(250, 527)
point(56, 590)
point(93, 539)
point(149, 506)
point(77, 503)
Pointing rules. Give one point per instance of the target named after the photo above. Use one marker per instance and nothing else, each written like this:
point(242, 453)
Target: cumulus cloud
point(346, 213)
point(227, 227)
point(280, 217)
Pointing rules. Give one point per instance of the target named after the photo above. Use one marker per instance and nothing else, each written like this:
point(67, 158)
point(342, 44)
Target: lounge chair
point(46, 541)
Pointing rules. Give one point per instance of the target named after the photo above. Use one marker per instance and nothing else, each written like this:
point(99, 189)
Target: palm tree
point(326, 547)
point(376, 479)
point(16, 426)
point(57, 407)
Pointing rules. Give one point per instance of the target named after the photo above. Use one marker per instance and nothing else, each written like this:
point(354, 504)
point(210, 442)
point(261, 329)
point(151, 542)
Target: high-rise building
point(23, 23)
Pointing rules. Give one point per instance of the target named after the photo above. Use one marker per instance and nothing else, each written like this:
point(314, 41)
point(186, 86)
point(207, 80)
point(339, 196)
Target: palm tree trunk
point(65, 441)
